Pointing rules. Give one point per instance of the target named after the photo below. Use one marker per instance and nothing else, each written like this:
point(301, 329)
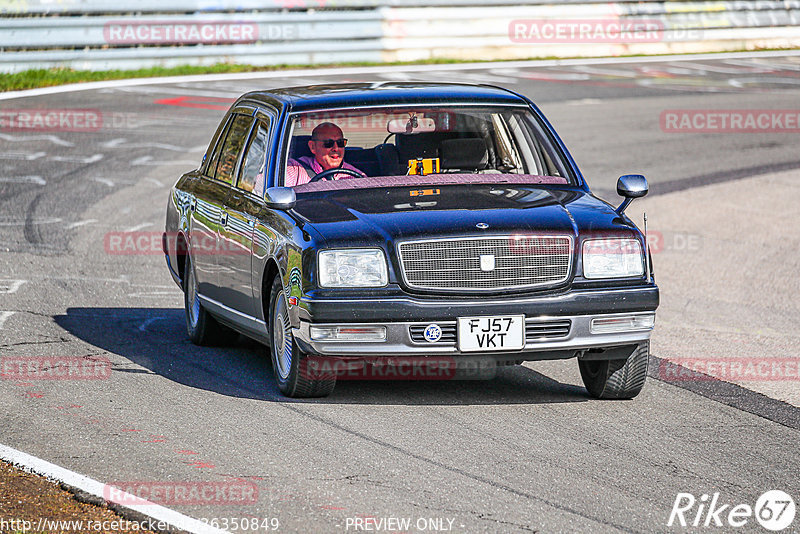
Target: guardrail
point(120, 34)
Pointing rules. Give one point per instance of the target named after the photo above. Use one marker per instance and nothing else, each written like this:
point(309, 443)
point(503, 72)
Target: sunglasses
point(328, 143)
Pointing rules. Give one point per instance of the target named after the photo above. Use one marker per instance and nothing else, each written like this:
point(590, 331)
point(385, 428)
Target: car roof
point(313, 97)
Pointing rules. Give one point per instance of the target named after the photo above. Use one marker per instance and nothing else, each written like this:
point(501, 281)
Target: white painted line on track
point(121, 142)
point(21, 138)
point(93, 487)
point(328, 71)
point(8, 286)
point(110, 183)
point(34, 222)
point(23, 155)
point(148, 160)
point(80, 223)
point(4, 315)
point(38, 180)
point(78, 159)
point(155, 294)
point(138, 227)
point(144, 325)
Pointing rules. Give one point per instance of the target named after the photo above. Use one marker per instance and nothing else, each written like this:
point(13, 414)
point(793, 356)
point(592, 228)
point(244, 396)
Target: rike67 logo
point(774, 510)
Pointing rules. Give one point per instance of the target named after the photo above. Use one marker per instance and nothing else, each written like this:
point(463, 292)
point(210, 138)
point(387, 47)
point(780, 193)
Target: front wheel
point(295, 377)
point(616, 379)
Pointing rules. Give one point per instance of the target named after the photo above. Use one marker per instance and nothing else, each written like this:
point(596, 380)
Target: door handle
point(223, 219)
point(193, 204)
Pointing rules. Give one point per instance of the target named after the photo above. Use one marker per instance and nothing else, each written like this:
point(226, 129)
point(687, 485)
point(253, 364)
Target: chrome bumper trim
point(398, 339)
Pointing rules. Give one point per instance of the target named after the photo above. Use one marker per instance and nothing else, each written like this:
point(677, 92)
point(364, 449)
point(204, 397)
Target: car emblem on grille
point(482, 226)
point(487, 262)
point(433, 333)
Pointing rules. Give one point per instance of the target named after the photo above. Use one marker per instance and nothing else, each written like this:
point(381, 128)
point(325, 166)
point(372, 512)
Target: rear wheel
point(295, 377)
point(202, 328)
point(616, 379)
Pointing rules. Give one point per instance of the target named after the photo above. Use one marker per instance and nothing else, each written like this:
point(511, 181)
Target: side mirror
point(630, 186)
point(280, 198)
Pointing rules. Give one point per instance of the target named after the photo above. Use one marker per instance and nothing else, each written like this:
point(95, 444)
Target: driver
point(327, 145)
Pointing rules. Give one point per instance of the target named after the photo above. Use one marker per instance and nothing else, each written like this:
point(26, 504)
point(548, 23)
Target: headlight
point(612, 258)
point(352, 268)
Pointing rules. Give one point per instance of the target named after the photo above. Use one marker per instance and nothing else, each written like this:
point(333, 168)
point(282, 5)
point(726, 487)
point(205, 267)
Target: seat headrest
point(299, 147)
point(464, 154)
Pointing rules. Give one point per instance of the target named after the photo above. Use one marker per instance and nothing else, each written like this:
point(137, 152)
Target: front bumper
point(577, 340)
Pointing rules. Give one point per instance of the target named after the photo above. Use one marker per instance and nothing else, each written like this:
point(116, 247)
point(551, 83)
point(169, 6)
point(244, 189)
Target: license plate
point(489, 333)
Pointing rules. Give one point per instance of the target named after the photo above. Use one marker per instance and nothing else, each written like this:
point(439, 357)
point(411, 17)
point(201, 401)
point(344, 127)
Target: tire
point(201, 327)
point(289, 363)
point(616, 379)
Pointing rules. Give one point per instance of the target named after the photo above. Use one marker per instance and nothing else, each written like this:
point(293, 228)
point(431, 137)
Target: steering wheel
point(328, 175)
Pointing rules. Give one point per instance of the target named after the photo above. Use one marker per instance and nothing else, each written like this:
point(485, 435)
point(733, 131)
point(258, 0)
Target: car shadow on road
point(155, 340)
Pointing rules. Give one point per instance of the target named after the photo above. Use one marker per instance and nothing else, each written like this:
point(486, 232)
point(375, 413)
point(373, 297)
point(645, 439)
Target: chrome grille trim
point(453, 264)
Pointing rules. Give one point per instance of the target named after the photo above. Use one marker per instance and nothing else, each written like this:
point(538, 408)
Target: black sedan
point(420, 228)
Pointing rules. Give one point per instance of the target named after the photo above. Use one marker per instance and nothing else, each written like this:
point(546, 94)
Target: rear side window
point(214, 159)
point(234, 141)
point(252, 178)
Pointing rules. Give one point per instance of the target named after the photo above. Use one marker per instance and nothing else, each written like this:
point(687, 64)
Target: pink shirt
point(296, 174)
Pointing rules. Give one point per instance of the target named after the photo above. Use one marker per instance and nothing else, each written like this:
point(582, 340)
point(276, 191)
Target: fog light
point(623, 323)
point(348, 333)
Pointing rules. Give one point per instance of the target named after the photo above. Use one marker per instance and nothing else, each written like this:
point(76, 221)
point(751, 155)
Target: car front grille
point(486, 263)
point(448, 334)
point(536, 330)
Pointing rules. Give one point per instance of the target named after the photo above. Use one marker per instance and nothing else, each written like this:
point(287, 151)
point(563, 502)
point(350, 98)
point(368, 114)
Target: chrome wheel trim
point(193, 308)
point(282, 338)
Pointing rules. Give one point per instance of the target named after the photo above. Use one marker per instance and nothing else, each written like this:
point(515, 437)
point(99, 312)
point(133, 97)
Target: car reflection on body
point(473, 234)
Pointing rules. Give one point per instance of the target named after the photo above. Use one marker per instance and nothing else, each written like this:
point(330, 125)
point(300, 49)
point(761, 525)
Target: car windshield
point(418, 145)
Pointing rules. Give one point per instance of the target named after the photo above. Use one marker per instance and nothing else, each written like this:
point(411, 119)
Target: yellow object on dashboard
point(423, 166)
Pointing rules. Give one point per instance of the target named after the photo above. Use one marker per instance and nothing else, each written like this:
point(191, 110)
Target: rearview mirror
point(413, 125)
point(630, 186)
point(280, 198)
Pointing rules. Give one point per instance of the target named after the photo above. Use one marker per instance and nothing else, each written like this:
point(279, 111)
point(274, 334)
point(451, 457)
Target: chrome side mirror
point(630, 186)
point(280, 198)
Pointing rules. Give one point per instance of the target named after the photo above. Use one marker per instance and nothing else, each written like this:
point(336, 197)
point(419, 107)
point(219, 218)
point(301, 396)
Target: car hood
point(373, 216)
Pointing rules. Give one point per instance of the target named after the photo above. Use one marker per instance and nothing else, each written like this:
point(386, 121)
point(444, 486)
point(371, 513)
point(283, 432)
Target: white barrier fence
point(119, 34)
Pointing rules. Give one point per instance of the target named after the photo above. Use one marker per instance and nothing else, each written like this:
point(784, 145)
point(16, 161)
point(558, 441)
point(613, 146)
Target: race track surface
point(528, 451)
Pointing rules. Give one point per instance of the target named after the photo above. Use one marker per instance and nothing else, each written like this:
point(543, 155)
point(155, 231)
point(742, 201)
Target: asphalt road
point(526, 452)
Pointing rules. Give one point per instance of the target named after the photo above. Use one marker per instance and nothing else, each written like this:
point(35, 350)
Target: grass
point(31, 79)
